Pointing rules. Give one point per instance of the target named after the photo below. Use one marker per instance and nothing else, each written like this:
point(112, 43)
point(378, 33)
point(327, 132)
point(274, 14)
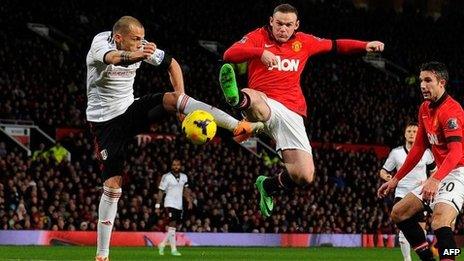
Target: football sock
point(282, 181)
point(445, 241)
point(405, 247)
point(186, 104)
point(172, 238)
point(244, 101)
point(165, 239)
point(106, 214)
point(415, 235)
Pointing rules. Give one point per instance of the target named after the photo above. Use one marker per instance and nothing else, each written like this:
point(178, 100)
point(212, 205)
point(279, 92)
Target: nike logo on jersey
point(286, 65)
point(268, 45)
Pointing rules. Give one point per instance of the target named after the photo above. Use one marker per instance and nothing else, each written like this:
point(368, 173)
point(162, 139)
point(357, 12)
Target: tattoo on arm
point(125, 56)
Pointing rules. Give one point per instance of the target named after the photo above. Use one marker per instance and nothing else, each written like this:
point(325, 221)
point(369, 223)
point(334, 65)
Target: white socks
point(405, 247)
point(171, 237)
point(186, 104)
point(106, 214)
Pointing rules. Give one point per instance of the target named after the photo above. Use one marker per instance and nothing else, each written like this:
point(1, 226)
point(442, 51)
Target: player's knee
point(252, 94)
point(397, 214)
point(309, 176)
point(170, 101)
point(303, 177)
point(439, 221)
point(114, 182)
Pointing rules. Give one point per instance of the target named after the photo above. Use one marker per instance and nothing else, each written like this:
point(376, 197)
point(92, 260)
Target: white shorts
point(403, 189)
point(286, 128)
point(450, 191)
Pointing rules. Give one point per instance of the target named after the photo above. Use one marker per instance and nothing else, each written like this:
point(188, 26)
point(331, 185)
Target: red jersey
point(282, 81)
point(442, 122)
point(440, 126)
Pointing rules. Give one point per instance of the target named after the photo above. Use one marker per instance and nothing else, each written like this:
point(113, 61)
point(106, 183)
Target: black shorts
point(174, 214)
point(112, 137)
point(419, 216)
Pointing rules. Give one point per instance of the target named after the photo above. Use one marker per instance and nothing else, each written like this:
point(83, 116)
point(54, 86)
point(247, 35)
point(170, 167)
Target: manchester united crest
point(296, 46)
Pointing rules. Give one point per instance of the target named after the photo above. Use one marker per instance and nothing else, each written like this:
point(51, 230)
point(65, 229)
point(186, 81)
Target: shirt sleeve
point(452, 125)
point(390, 163)
point(246, 49)
point(101, 45)
point(342, 46)
point(186, 184)
point(318, 45)
point(163, 183)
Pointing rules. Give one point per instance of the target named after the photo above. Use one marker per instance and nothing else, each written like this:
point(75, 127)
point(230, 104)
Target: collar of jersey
point(437, 103)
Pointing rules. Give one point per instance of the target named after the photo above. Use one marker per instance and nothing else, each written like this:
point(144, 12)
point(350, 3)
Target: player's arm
point(385, 175)
point(175, 75)
point(165, 61)
point(117, 57)
point(431, 166)
point(452, 128)
point(390, 164)
point(342, 46)
point(188, 197)
point(162, 187)
point(244, 50)
point(159, 198)
point(103, 51)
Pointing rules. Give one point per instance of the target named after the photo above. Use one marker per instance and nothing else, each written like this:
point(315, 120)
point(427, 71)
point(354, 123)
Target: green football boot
point(229, 84)
point(266, 204)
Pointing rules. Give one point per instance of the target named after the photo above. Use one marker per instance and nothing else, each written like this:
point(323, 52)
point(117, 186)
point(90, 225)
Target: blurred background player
point(440, 127)
point(174, 185)
point(413, 180)
point(115, 117)
point(276, 56)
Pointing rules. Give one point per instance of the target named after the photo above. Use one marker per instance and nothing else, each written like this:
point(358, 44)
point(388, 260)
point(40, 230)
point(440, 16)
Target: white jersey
point(417, 175)
point(110, 87)
point(174, 188)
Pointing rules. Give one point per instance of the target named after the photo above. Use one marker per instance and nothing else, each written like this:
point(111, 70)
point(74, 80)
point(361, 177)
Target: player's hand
point(375, 46)
point(268, 59)
point(429, 190)
point(148, 48)
point(387, 187)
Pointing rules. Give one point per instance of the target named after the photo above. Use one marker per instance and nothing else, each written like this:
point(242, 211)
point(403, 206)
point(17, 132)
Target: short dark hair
point(124, 23)
point(412, 123)
point(286, 8)
point(439, 69)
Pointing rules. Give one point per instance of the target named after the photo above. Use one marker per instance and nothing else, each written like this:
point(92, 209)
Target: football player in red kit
point(440, 127)
point(276, 56)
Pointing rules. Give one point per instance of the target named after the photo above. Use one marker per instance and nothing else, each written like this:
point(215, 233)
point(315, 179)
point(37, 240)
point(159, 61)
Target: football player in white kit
point(175, 185)
point(413, 180)
point(115, 116)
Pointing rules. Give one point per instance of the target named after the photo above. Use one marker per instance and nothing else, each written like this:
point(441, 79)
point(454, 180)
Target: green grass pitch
point(201, 253)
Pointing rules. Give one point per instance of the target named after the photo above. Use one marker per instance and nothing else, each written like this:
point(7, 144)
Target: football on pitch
point(199, 127)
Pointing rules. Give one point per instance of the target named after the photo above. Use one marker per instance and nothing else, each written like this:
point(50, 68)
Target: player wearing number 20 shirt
point(441, 120)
